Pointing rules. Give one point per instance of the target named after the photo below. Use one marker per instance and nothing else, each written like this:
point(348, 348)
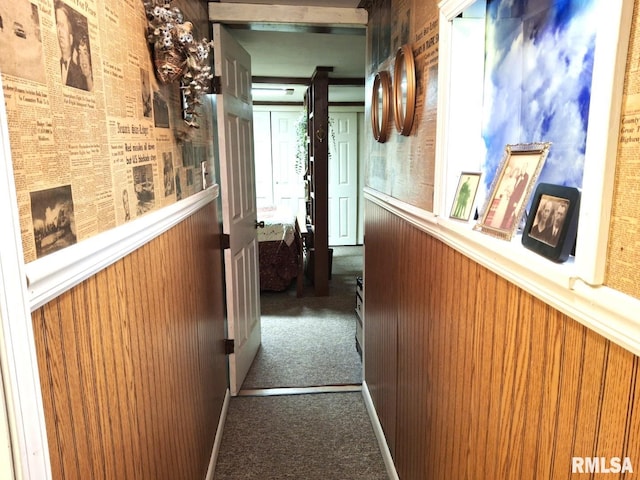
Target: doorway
point(311, 341)
point(280, 182)
point(283, 57)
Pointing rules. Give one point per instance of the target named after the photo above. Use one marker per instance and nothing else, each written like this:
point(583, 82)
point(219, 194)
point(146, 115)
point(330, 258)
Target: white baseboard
point(218, 440)
point(377, 428)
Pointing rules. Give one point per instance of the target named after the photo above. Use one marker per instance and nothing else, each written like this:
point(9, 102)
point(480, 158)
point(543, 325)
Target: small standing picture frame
point(551, 227)
point(511, 188)
point(465, 195)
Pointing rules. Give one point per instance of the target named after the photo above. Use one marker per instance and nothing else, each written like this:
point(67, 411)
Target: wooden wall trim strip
point(50, 276)
point(608, 312)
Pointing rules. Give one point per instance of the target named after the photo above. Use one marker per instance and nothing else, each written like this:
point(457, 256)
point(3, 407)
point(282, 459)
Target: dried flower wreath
point(177, 56)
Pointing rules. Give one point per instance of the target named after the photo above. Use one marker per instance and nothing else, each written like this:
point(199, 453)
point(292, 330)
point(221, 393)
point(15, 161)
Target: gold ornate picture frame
point(404, 90)
point(381, 106)
point(511, 188)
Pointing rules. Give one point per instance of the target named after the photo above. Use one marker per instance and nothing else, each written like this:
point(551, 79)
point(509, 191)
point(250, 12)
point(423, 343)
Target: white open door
point(343, 179)
point(237, 187)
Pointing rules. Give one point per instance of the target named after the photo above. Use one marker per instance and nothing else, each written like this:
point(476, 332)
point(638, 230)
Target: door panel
point(343, 179)
point(237, 189)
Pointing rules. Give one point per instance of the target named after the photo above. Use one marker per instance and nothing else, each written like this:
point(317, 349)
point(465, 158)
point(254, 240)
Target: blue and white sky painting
point(538, 69)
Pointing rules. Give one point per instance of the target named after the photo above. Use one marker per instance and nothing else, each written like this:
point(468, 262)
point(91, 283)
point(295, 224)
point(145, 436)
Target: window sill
point(608, 312)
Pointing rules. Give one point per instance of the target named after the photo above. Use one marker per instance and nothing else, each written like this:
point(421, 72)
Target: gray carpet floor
point(306, 341)
point(310, 341)
point(326, 436)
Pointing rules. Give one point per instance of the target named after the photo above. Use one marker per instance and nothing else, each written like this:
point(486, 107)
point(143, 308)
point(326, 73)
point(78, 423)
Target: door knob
point(259, 224)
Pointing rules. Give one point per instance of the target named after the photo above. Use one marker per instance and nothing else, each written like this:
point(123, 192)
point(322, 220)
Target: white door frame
point(18, 359)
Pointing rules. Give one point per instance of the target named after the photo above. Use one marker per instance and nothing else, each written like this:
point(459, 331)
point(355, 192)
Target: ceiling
point(301, 3)
point(284, 50)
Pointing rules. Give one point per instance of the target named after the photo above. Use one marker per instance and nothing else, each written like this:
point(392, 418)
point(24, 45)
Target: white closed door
point(237, 187)
point(288, 184)
point(343, 178)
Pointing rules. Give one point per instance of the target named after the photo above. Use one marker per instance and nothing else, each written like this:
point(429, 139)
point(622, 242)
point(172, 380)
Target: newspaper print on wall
point(92, 132)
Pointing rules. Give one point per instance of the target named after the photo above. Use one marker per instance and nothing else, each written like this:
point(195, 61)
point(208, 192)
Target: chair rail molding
point(608, 312)
point(54, 274)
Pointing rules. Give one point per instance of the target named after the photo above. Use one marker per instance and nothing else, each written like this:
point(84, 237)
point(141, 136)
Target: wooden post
point(319, 170)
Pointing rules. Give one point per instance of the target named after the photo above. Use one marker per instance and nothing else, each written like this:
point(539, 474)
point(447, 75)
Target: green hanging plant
point(332, 132)
point(302, 141)
point(301, 144)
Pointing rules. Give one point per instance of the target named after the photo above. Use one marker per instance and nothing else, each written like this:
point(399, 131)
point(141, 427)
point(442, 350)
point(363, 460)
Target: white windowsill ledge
point(50, 276)
point(612, 314)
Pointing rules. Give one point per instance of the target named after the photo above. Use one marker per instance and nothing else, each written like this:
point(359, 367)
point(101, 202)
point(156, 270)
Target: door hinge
point(225, 241)
point(216, 85)
point(229, 346)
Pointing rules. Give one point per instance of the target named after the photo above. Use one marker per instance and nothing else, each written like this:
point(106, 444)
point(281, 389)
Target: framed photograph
point(511, 188)
point(465, 195)
point(552, 225)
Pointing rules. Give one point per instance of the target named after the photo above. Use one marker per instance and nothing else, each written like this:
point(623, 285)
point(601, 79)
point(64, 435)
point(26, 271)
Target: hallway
point(301, 413)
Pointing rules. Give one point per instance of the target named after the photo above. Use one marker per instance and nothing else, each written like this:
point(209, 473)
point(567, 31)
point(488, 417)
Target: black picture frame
point(552, 223)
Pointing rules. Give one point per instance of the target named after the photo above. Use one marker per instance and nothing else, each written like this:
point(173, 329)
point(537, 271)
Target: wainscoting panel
point(489, 381)
point(381, 330)
point(132, 364)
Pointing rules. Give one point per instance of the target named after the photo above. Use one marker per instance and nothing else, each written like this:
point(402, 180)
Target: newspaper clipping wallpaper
point(96, 140)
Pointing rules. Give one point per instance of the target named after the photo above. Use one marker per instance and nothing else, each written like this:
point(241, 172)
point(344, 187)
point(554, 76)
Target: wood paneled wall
point(132, 363)
point(474, 378)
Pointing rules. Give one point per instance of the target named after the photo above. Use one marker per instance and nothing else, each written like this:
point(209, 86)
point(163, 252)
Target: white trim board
point(305, 15)
point(282, 391)
point(18, 360)
point(218, 440)
point(379, 432)
point(50, 276)
point(608, 312)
